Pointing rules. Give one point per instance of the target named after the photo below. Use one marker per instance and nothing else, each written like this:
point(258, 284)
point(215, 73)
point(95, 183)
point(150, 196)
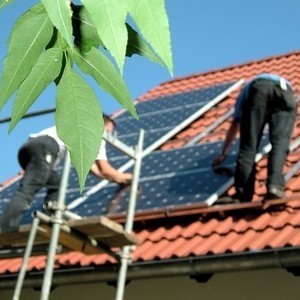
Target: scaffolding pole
point(57, 221)
point(27, 253)
point(125, 254)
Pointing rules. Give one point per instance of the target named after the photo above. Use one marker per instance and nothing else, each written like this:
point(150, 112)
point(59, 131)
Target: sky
point(205, 34)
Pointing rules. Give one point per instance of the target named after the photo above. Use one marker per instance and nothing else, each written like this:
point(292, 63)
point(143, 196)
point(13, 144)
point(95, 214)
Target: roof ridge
point(233, 66)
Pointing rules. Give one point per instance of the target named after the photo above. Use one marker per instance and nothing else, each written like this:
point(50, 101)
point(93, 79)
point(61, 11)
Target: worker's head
point(109, 124)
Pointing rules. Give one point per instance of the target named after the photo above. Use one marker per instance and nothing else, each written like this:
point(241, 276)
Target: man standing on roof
point(38, 157)
point(267, 98)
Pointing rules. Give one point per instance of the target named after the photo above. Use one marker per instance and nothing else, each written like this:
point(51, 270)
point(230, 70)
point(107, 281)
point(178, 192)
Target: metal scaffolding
point(59, 223)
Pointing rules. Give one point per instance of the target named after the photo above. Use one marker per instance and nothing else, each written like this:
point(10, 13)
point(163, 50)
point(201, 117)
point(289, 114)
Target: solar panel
point(159, 116)
point(168, 179)
point(6, 193)
point(194, 97)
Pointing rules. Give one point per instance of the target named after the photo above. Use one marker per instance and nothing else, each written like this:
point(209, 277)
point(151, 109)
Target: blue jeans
point(36, 157)
point(265, 103)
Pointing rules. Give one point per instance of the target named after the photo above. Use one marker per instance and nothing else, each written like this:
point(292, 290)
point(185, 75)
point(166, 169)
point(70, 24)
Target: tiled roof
point(203, 231)
point(286, 65)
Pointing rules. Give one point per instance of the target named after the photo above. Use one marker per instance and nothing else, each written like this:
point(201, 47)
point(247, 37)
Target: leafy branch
point(55, 37)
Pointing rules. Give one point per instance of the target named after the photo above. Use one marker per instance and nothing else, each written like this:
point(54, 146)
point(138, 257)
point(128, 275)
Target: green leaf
point(84, 30)
point(86, 36)
point(96, 64)
point(43, 73)
point(3, 3)
point(136, 45)
point(60, 14)
point(109, 18)
point(152, 21)
point(79, 121)
point(27, 42)
point(33, 11)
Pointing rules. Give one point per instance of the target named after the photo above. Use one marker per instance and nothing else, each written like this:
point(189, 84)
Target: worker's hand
point(218, 160)
point(125, 178)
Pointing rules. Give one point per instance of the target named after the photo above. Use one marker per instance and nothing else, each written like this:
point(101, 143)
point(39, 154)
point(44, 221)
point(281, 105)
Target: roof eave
point(192, 266)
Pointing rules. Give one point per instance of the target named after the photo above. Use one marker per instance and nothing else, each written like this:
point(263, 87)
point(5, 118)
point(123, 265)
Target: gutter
point(193, 266)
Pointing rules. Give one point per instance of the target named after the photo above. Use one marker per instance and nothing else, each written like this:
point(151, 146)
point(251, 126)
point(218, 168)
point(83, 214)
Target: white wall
point(252, 285)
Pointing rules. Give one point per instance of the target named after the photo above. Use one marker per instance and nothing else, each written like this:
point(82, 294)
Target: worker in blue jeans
point(266, 99)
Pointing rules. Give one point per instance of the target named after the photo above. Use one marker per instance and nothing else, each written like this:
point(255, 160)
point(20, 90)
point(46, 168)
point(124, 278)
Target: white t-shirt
point(102, 151)
point(51, 131)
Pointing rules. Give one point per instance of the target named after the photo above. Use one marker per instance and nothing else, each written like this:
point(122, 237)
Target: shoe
point(227, 200)
point(274, 193)
point(223, 170)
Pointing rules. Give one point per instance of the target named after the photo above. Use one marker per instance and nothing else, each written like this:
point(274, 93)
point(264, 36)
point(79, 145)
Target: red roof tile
point(253, 231)
point(238, 228)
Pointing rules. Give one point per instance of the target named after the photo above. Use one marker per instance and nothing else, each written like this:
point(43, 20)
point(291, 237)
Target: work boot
point(274, 193)
point(227, 200)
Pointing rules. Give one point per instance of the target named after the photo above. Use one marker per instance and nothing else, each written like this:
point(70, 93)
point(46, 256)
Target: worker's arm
point(104, 170)
point(231, 134)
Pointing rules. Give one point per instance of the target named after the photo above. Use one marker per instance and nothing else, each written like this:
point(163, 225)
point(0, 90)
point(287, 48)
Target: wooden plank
point(118, 240)
point(90, 236)
point(104, 230)
point(71, 241)
point(99, 225)
point(19, 238)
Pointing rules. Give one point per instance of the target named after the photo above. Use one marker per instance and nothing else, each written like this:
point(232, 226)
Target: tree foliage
point(58, 41)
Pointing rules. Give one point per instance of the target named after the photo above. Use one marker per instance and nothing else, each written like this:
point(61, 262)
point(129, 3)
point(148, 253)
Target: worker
point(39, 157)
point(266, 99)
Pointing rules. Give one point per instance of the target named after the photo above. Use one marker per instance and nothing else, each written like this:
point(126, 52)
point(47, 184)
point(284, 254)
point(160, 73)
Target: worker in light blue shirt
point(267, 98)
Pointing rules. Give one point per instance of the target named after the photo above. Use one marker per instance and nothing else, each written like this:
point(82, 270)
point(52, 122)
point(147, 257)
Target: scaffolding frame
point(57, 221)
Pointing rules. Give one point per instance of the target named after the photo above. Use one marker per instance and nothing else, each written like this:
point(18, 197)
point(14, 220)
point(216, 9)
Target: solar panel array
point(168, 179)
point(178, 177)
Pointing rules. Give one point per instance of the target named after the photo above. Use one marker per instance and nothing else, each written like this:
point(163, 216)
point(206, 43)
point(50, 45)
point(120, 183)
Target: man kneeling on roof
point(267, 98)
point(38, 157)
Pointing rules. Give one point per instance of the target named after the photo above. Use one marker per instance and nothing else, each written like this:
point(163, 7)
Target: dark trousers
point(266, 103)
point(36, 157)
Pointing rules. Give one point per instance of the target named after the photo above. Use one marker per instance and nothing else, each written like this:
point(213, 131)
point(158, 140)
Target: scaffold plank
point(104, 230)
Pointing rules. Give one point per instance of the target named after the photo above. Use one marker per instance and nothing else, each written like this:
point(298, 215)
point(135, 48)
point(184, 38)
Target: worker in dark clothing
point(38, 157)
point(267, 98)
